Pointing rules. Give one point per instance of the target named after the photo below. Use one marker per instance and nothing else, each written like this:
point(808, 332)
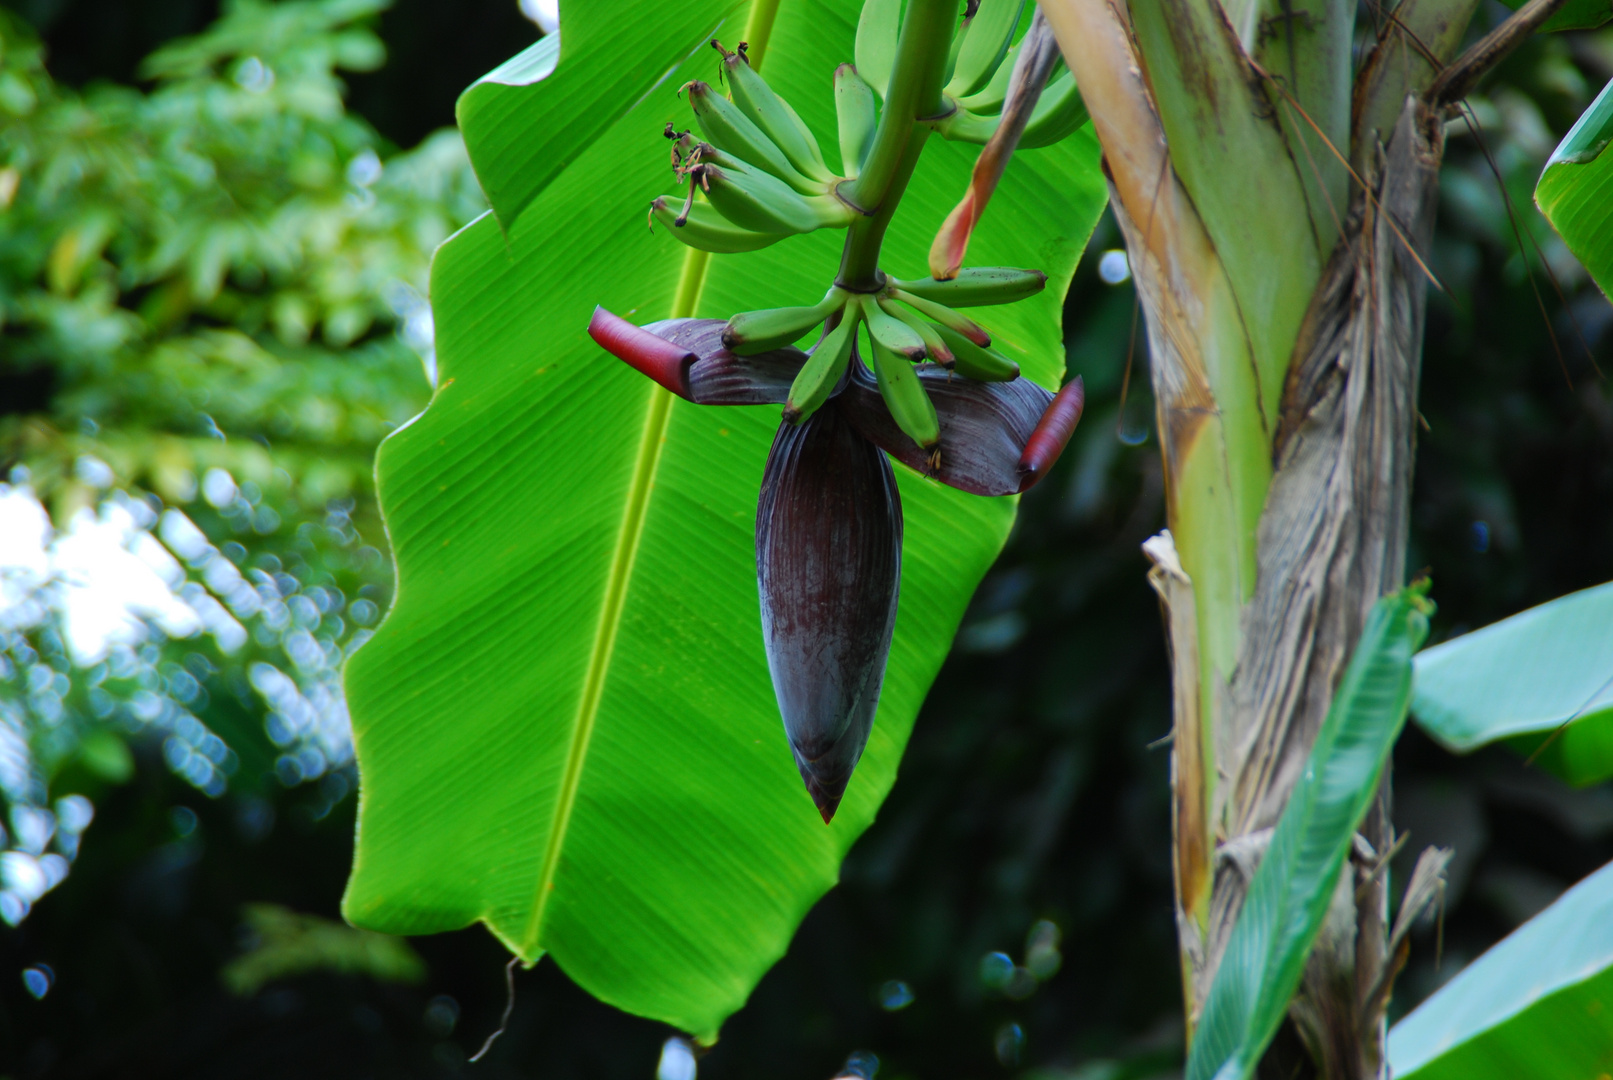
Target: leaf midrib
point(658, 411)
point(685, 300)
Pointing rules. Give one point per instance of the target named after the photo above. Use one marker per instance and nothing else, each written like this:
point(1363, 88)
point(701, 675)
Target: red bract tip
point(666, 363)
point(1052, 432)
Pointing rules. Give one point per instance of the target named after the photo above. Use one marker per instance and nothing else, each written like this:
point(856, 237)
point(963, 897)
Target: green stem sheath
point(913, 96)
point(859, 261)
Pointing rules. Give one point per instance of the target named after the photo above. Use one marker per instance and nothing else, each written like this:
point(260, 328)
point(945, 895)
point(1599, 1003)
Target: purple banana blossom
point(829, 519)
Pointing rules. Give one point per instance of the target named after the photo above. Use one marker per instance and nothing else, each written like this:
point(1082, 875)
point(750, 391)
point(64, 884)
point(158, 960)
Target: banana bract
point(828, 570)
point(828, 527)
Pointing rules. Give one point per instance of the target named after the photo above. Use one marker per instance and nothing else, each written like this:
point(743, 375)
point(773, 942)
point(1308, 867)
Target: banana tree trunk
point(1330, 540)
point(1276, 226)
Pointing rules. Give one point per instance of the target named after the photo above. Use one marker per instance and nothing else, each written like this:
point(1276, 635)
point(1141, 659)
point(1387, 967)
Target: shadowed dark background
point(1033, 792)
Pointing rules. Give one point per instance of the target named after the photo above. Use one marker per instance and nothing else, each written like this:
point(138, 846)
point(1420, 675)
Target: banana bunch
point(907, 322)
point(979, 68)
point(759, 167)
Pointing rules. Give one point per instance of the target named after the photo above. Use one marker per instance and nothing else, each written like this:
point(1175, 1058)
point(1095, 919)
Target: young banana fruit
point(905, 326)
point(759, 174)
point(752, 332)
point(772, 116)
point(979, 68)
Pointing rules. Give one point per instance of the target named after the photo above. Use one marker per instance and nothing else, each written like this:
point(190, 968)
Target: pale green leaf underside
point(1546, 673)
point(1537, 1006)
point(1289, 895)
point(1575, 191)
point(658, 842)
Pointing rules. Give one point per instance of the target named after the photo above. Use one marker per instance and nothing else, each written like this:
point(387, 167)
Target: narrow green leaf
point(565, 727)
point(1544, 674)
point(1575, 191)
point(1291, 890)
point(1537, 1006)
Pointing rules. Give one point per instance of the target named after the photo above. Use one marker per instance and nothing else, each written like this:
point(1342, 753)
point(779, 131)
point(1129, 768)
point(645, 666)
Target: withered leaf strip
point(828, 569)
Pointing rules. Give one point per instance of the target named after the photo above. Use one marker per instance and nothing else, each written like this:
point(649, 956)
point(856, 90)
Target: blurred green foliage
point(198, 273)
point(283, 944)
point(211, 295)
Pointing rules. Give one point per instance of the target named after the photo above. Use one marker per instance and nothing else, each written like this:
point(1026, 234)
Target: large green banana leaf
point(1290, 893)
point(565, 727)
point(1575, 191)
point(1541, 680)
point(1537, 1006)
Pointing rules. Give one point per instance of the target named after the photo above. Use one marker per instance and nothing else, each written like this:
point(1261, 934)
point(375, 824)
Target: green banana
point(975, 362)
point(752, 332)
point(732, 132)
point(990, 98)
point(961, 125)
point(875, 49)
point(1059, 112)
point(977, 286)
point(959, 36)
point(935, 346)
point(858, 118)
point(892, 333)
point(773, 116)
point(945, 316)
point(904, 395)
point(821, 373)
point(990, 33)
point(752, 199)
point(708, 230)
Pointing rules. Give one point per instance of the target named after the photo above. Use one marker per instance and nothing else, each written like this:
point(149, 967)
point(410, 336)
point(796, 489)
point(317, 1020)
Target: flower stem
point(859, 262)
point(914, 95)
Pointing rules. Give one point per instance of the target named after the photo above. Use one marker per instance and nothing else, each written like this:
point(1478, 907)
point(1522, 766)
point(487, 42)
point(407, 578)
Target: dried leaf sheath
point(828, 568)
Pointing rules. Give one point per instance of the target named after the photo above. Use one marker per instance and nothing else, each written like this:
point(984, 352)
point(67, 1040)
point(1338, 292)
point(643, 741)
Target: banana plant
point(568, 726)
point(664, 582)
